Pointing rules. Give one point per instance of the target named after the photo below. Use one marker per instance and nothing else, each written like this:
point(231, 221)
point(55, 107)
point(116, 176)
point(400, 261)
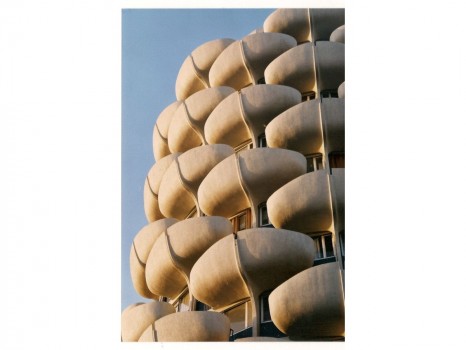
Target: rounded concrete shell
point(248, 179)
point(294, 68)
point(187, 126)
point(244, 115)
point(194, 72)
point(193, 326)
point(160, 134)
point(333, 112)
point(137, 317)
point(310, 304)
point(303, 204)
point(294, 22)
point(298, 128)
point(180, 183)
point(259, 257)
point(152, 186)
point(173, 255)
point(341, 90)
point(330, 62)
point(148, 335)
point(142, 245)
point(243, 62)
point(324, 21)
point(338, 35)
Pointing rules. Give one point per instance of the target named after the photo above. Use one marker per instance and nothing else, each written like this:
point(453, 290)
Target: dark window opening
point(265, 309)
point(336, 160)
point(264, 220)
point(241, 221)
point(307, 96)
point(200, 306)
point(333, 93)
point(314, 162)
point(261, 81)
point(261, 141)
point(324, 252)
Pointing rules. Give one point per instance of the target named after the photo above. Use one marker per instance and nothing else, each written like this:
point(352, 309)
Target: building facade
point(245, 202)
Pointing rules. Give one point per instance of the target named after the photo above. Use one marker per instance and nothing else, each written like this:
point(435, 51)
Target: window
point(261, 81)
point(241, 221)
point(261, 141)
point(200, 306)
point(329, 94)
point(342, 247)
point(264, 216)
point(336, 160)
point(323, 248)
point(243, 147)
point(240, 316)
point(314, 162)
point(265, 309)
point(307, 96)
point(183, 302)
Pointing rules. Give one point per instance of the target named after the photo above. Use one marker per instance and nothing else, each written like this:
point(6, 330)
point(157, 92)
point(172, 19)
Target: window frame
point(317, 162)
point(260, 216)
point(321, 237)
point(264, 298)
point(235, 222)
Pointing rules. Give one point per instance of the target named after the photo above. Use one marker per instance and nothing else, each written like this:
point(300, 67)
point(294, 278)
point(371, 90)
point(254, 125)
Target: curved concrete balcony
point(247, 179)
point(330, 63)
point(243, 62)
point(338, 35)
point(294, 68)
point(142, 245)
point(259, 259)
point(294, 22)
point(179, 185)
point(298, 128)
point(310, 305)
point(324, 21)
point(137, 317)
point(193, 326)
point(333, 114)
point(152, 186)
point(187, 126)
point(341, 90)
point(173, 255)
point(194, 72)
point(160, 134)
point(303, 204)
point(243, 116)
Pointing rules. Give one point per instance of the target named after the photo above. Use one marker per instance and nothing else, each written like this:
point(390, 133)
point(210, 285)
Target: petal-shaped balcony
point(137, 317)
point(259, 258)
point(324, 21)
point(242, 116)
point(173, 254)
point(294, 68)
point(330, 63)
point(294, 22)
point(310, 305)
point(194, 72)
point(298, 128)
point(160, 134)
point(152, 186)
point(193, 326)
point(187, 126)
point(338, 35)
point(247, 179)
point(243, 62)
point(179, 185)
point(303, 204)
point(333, 116)
point(142, 245)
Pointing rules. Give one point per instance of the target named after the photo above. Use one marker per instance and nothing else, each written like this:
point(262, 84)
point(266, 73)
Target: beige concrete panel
point(294, 68)
point(221, 192)
point(142, 244)
point(257, 30)
point(162, 276)
point(333, 115)
point(194, 72)
point(337, 180)
point(262, 103)
point(261, 339)
point(152, 186)
point(190, 238)
point(324, 21)
point(330, 61)
point(187, 127)
point(302, 204)
point(338, 35)
point(148, 336)
point(262, 48)
point(294, 22)
point(229, 69)
point(193, 326)
point(226, 125)
point(298, 128)
point(136, 318)
point(264, 170)
point(310, 304)
point(341, 90)
point(265, 256)
point(160, 134)
point(215, 278)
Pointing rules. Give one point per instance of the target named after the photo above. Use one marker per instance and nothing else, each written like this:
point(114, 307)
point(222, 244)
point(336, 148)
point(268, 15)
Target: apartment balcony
point(294, 22)
point(160, 134)
point(333, 115)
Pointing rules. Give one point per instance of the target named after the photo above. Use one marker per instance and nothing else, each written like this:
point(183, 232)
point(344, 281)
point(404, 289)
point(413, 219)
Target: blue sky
point(154, 45)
